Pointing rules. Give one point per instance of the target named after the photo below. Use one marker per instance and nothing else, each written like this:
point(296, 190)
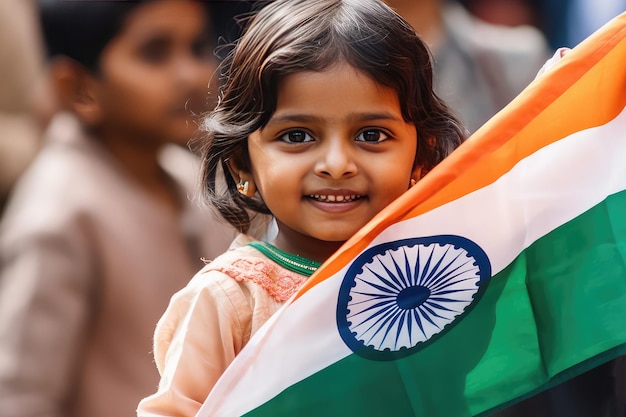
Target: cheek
point(397, 178)
point(270, 182)
point(136, 107)
point(395, 188)
point(142, 103)
point(152, 92)
point(265, 167)
point(139, 86)
point(277, 181)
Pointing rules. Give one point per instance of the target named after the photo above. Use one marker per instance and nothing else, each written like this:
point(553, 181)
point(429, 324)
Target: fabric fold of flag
point(499, 275)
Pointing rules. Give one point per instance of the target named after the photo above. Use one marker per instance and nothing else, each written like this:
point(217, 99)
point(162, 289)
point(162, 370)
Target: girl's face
point(156, 72)
point(335, 153)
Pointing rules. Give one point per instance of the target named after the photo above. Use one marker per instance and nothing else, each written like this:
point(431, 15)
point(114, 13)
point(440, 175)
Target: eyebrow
point(352, 117)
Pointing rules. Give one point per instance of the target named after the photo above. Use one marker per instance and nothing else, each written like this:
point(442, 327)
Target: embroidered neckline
point(295, 263)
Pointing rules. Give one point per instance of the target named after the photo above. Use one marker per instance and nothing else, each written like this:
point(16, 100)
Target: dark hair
point(288, 36)
point(81, 29)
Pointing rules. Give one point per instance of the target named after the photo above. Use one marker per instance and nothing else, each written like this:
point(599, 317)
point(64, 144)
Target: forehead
point(338, 90)
point(165, 17)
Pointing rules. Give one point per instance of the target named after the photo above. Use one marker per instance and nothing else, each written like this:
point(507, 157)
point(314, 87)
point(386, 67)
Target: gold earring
point(413, 182)
point(243, 187)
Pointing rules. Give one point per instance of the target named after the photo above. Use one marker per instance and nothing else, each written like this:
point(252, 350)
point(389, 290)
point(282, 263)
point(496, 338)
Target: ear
point(243, 178)
point(416, 175)
point(77, 90)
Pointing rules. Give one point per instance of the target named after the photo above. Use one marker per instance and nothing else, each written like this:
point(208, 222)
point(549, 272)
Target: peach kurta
point(208, 323)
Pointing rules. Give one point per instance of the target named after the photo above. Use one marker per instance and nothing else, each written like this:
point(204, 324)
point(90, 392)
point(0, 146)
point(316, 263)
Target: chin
point(338, 238)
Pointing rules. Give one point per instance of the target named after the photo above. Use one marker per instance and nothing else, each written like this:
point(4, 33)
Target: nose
point(337, 159)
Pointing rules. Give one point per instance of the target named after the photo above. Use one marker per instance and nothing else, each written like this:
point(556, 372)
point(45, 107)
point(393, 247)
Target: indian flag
point(501, 274)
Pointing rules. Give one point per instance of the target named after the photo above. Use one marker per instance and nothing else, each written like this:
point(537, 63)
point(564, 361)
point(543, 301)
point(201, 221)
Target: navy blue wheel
point(397, 297)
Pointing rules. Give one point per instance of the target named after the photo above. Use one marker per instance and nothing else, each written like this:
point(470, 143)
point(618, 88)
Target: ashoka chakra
point(396, 297)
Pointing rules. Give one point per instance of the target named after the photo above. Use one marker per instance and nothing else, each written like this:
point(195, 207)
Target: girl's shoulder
point(245, 264)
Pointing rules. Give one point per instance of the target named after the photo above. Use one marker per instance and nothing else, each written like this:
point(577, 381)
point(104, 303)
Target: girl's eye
point(372, 136)
point(296, 136)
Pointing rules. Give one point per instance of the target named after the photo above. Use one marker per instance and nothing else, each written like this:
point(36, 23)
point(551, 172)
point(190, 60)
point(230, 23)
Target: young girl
point(327, 115)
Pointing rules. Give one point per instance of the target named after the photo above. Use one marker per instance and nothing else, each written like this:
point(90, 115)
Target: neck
point(305, 246)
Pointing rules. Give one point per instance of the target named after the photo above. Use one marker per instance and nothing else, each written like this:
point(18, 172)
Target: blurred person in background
point(565, 23)
point(99, 231)
point(568, 22)
point(505, 12)
point(479, 67)
point(585, 17)
point(21, 64)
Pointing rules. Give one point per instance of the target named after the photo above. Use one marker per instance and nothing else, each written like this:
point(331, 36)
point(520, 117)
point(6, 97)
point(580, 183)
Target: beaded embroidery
point(291, 262)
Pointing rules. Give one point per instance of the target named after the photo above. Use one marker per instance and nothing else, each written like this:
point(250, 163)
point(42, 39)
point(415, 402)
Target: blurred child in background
point(100, 232)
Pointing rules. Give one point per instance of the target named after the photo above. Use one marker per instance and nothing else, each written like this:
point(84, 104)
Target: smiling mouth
point(336, 198)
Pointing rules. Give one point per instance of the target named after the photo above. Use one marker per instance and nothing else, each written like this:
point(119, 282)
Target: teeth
point(335, 198)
